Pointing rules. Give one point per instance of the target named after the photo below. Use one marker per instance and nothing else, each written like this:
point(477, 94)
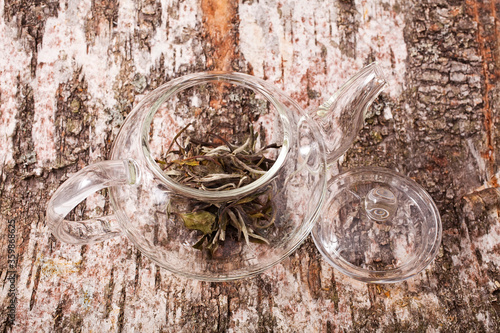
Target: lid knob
point(381, 204)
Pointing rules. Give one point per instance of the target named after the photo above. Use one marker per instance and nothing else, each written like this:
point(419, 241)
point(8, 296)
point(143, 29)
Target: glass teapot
point(217, 176)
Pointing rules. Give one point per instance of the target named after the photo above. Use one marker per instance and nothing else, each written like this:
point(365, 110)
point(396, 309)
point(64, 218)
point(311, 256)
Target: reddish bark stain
point(220, 18)
point(441, 161)
point(220, 23)
point(494, 183)
point(435, 27)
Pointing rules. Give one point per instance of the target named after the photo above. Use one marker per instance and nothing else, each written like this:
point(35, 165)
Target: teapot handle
point(77, 188)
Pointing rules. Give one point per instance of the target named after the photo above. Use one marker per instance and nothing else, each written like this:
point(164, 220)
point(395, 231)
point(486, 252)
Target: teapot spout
point(341, 117)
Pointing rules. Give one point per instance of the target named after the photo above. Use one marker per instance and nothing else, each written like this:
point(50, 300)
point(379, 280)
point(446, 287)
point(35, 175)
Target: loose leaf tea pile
point(213, 164)
point(244, 219)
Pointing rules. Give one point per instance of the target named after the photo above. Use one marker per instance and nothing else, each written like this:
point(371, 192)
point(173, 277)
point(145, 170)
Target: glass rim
point(175, 86)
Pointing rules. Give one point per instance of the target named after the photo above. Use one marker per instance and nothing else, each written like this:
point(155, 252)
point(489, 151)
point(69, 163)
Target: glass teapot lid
point(377, 226)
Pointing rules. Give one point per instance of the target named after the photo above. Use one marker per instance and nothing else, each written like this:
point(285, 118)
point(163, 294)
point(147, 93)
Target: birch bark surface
point(70, 72)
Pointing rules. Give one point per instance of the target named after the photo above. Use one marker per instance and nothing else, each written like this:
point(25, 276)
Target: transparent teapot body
point(217, 176)
point(263, 217)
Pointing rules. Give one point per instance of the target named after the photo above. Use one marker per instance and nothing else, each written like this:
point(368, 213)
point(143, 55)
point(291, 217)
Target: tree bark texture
point(71, 70)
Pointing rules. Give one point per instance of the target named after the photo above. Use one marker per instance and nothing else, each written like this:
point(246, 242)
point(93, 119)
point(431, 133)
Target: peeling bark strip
point(35, 287)
point(149, 18)
point(484, 14)
point(477, 207)
point(348, 25)
point(104, 15)
point(24, 147)
point(220, 22)
point(30, 16)
point(108, 294)
point(72, 121)
point(121, 315)
point(314, 277)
